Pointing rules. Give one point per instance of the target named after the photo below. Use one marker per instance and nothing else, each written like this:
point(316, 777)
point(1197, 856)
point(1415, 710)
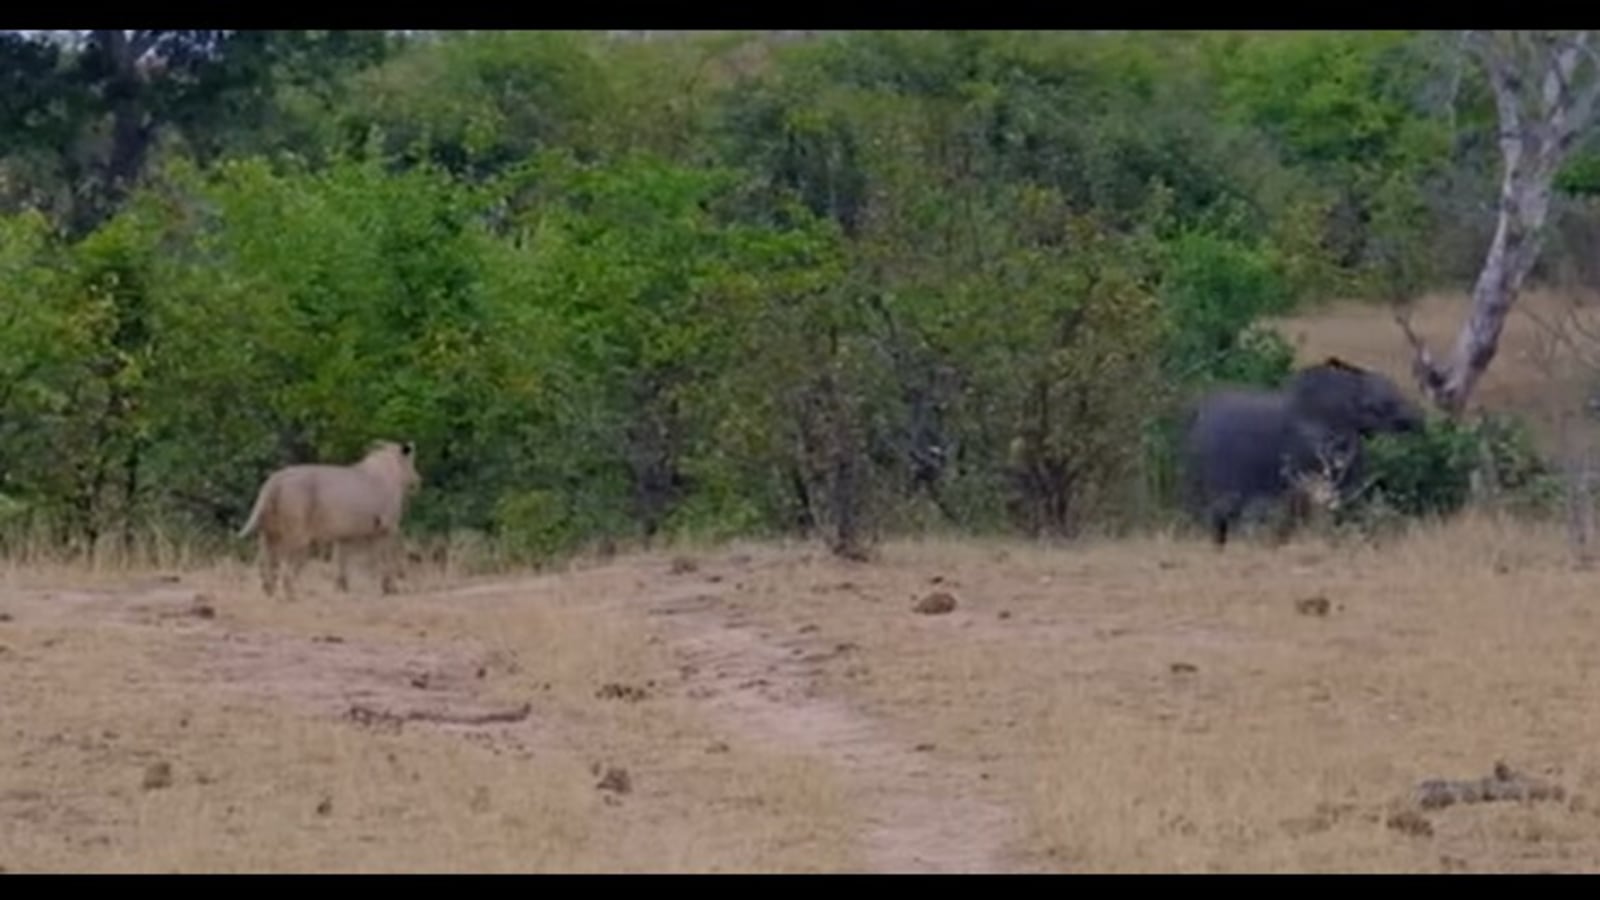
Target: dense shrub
point(1434, 474)
point(715, 285)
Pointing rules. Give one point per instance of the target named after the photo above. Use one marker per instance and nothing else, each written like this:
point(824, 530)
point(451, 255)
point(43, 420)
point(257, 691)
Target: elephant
point(1248, 445)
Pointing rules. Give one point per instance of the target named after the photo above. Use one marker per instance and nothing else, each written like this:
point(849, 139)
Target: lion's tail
point(262, 499)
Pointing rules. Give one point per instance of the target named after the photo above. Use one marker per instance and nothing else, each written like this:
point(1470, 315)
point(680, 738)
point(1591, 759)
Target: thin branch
point(1457, 61)
point(1582, 110)
point(1477, 42)
point(1586, 50)
point(143, 42)
point(1430, 379)
point(1503, 83)
point(1556, 84)
point(1583, 329)
point(367, 715)
point(1563, 336)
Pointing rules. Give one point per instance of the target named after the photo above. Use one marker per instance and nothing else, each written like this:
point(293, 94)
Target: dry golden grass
point(1153, 705)
point(244, 707)
point(1141, 705)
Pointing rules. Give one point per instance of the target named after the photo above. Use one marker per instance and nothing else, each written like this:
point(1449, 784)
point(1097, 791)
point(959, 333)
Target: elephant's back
point(1240, 412)
point(1235, 438)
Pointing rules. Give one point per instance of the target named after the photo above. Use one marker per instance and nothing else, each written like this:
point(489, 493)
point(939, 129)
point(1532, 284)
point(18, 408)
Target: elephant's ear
point(1329, 393)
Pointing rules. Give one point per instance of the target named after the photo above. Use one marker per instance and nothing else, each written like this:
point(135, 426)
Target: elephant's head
point(1344, 396)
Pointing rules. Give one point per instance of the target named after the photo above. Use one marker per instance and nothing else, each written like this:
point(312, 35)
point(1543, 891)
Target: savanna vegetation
point(713, 284)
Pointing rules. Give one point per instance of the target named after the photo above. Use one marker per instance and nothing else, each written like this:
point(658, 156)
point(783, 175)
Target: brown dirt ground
point(1144, 705)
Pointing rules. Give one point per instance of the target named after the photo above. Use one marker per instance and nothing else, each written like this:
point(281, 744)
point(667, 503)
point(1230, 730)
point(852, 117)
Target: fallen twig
point(366, 715)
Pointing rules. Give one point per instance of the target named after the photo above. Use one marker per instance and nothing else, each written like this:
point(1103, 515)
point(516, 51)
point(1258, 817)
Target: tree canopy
point(722, 282)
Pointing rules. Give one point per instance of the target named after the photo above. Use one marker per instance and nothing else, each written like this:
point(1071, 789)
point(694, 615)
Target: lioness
point(342, 506)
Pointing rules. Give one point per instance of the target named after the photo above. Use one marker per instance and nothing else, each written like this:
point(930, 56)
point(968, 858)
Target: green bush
point(1432, 474)
point(716, 286)
point(535, 525)
point(1214, 289)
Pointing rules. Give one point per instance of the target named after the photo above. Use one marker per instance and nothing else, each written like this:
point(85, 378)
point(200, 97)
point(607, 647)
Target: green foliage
point(1433, 475)
point(345, 311)
point(42, 336)
point(716, 285)
point(650, 281)
point(1215, 289)
point(1343, 106)
point(1580, 177)
point(477, 103)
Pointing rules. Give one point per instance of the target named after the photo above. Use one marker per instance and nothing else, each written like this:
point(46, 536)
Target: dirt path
point(375, 683)
point(927, 816)
point(924, 814)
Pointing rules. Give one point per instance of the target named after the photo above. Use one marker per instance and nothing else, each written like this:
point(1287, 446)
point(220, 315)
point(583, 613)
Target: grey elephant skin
point(1242, 445)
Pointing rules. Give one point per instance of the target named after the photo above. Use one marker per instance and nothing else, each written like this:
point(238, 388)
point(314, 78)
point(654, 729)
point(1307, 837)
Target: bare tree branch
point(1503, 83)
point(1454, 89)
point(1423, 369)
point(142, 42)
point(1588, 333)
point(1589, 51)
point(1562, 335)
point(1556, 87)
point(1582, 105)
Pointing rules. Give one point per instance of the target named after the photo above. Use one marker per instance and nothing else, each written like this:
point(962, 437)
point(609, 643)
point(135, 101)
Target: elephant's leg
point(1221, 514)
point(1296, 509)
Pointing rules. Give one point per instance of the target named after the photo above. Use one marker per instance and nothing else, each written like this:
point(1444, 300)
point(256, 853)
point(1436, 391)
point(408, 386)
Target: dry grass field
point(1144, 705)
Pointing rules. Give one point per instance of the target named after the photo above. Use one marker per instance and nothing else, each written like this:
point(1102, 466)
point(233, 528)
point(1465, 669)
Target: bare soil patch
point(436, 732)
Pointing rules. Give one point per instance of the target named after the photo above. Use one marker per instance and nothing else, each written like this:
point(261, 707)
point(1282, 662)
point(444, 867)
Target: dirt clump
point(1411, 822)
point(617, 691)
point(157, 775)
point(616, 780)
point(1312, 606)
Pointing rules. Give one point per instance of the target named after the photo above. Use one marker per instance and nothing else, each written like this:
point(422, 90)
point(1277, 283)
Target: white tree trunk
point(1538, 128)
point(1524, 207)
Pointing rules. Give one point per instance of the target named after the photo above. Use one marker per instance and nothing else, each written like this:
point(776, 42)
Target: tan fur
point(1312, 496)
point(345, 507)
